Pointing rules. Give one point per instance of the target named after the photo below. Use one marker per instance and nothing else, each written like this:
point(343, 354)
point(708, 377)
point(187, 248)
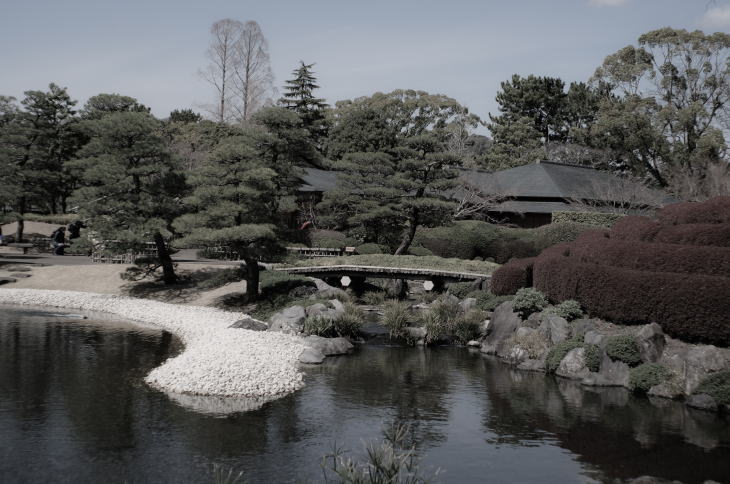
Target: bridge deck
point(384, 272)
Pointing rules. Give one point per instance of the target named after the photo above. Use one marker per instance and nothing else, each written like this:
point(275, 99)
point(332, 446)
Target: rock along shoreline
point(216, 361)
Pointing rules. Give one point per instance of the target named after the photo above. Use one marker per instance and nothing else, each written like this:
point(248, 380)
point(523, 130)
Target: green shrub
point(435, 327)
point(460, 289)
point(277, 282)
point(593, 356)
point(330, 239)
point(372, 249)
point(347, 324)
point(467, 326)
point(396, 317)
point(374, 298)
point(624, 348)
point(645, 376)
point(569, 310)
point(717, 385)
point(419, 251)
point(558, 232)
point(446, 310)
point(486, 301)
point(589, 218)
point(558, 352)
point(528, 301)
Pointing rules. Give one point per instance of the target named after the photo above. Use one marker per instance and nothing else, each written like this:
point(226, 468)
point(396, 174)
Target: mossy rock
point(717, 385)
point(558, 352)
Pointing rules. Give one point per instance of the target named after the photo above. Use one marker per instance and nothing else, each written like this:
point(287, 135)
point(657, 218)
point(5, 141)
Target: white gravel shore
point(217, 360)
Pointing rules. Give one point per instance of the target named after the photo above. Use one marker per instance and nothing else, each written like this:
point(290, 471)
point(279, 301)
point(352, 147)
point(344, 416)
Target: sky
point(153, 50)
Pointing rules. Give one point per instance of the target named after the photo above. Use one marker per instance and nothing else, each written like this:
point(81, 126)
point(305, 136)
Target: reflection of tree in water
point(413, 384)
point(621, 435)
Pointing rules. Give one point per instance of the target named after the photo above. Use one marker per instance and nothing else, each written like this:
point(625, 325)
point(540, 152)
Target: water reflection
point(74, 408)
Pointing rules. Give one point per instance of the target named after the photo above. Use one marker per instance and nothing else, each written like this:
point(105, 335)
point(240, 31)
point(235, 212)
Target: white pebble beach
point(217, 360)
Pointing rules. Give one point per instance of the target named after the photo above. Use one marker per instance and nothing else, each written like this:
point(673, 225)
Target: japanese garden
point(274, 285)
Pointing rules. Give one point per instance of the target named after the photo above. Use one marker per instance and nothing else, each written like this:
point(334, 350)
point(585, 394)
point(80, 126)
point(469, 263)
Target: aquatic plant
point(396, 317)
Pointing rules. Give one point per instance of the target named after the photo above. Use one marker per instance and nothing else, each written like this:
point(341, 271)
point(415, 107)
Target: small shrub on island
point(461, 289)
point(569, 310)
point(624, 348)
point(347, 324)
point(528, 301)
point(396, 317)
point(716, 385)
point(370, 248)
point(467, 326)
point(647, 375)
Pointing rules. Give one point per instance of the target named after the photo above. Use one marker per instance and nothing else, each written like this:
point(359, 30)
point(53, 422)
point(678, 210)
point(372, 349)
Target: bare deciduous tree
point(622, 195)
point(253, 79)
point(226, 35)
point(472, 201)
point(700, 185)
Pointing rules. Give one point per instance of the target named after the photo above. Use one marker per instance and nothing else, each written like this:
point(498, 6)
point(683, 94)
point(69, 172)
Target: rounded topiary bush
point(647, 375)
point(419, 251)
point(568, 310)
point(528, 301)
point(624, 348)
point(513, 276)
point(715, 211)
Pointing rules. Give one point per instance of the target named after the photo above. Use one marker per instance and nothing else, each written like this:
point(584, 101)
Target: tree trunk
point(21, 223)
point(252, 278)
point(408, 236)
point(168, 269)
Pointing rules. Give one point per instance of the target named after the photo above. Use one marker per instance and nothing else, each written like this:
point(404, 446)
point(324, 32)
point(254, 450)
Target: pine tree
point(131, 185)
point(299, 97)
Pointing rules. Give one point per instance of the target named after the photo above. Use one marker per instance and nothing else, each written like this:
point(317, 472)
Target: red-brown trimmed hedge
point(717, 235)
point(713, 211)
point(512, 277)
point(692, 307)
point(635, 228)
point(647, 256)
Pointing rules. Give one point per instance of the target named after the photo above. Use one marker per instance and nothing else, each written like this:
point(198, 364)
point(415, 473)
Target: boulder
point(311, 356)
point(328, 346)
point(580, 327)
point(593, 337)
point(474, 343)
point(250, 324)
point(315, 309)
point(451, 299)
point(611, 374)
point(702, 401)
point(651, 342)
point(532, 365)
point(415, 332)
point(573, 365)
point(502, 326)
point(468, 304)
point(554, 328)
point(670, 389)
point(337, 306)
point(533, 320)
point(289, 321)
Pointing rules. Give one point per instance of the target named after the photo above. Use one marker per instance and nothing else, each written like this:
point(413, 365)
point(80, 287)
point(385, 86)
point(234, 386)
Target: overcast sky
point(152, 50)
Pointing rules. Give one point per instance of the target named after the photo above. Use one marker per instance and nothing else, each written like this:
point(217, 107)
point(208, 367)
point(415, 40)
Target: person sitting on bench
point(58, 240)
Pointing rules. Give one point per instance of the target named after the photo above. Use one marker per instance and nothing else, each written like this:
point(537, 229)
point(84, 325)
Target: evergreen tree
point(36, 141)
point(131, 186)
point(389, 195)
point(299, 97)
point(234, 196)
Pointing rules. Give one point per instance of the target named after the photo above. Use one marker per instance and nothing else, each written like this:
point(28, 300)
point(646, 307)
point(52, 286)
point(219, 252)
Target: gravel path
point(217, 360)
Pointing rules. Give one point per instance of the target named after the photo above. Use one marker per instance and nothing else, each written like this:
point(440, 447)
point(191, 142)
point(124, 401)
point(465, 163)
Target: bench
point(19, 245)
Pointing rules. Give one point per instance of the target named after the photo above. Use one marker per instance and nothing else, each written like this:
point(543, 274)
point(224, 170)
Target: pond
point(74, 408)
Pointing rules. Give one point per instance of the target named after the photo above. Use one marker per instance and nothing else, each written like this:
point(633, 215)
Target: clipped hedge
point(648, 256)
point(371, 248)
point(589, 218)
point(716, 235)
point(713, 211)
point(692, 307)
point(635, 228)
point(512, 277)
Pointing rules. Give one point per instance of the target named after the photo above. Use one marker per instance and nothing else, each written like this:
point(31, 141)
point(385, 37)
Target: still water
point(74, 408)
